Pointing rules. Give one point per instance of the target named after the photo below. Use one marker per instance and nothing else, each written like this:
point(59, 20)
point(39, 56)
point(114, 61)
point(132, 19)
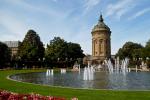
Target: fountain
point(49, 72)
point(62, 71)
point(119, 67)
point(108, 75)
point(88, 73)
point(136, 69)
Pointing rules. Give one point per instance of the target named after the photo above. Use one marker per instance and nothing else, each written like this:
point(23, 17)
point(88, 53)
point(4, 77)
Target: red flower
point(5, 95)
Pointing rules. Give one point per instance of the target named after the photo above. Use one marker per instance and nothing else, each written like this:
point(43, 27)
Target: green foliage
point(136, 51)
point(31, 49)
point(148, 44)
point(130, 50)
point(5, 55)
point(146, 50)
point(56, 49)
point(59, 49)
point(74, 51)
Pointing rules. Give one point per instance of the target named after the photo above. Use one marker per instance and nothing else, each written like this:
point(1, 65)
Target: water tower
point(101, 41)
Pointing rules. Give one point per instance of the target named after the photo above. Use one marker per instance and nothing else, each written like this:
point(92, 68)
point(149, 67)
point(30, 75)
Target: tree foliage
point(5, 55)
point(56, 49)
point(130, 50)
point(31, 49)
point(148, 44)
point(59, 49)
point(74, 51)
point(146, 50)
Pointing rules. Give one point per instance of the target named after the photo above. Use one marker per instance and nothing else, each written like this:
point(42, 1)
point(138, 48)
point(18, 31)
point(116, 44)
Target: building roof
point(12, 43)
point(101, 25)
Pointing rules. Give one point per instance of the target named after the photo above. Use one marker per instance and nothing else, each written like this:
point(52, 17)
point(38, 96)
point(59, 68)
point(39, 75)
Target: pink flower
point(5, 95)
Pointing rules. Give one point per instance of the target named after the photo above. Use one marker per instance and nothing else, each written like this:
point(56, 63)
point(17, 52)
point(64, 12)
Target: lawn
point(82, 94)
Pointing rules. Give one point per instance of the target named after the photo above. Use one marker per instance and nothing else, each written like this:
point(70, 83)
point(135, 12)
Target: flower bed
point(5, 95)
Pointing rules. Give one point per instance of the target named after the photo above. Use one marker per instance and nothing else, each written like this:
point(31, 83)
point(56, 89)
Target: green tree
point(148, 44)
point(130, 50)
point(59, 49)
point(74, 51)
point(31, 49)
point(146, 53)
point(137, 53)
point(146, 50)
point(56, 49)
point(5, 55)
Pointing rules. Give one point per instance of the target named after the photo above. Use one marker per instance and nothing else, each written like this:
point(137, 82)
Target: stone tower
point(101, 45)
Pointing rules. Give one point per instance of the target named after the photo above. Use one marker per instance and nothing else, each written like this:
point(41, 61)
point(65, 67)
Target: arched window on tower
point(95, 41)
point(100, 46)
point(94, 46)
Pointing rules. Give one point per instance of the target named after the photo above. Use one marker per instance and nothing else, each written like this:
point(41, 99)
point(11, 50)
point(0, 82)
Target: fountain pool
point(101, 80)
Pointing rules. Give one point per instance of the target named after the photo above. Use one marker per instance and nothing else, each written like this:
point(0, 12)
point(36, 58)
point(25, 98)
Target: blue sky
point(73, 20)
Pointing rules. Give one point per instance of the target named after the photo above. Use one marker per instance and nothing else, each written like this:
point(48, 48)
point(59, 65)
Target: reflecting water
point(102, 80)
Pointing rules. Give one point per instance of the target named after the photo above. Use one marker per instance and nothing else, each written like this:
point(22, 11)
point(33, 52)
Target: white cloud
point(12, 24)
point(38, 8)
point(16, 25)
point(120, 13)
point(120, 8)
point(140, 13)
point(89, 4)
point(54, 0)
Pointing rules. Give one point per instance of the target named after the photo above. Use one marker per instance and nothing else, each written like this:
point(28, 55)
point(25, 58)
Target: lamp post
point(43, 62)
point(147, 61)
point(147, 58)
point(137, 59)
point(66, 59)
point(39, 60)
point(134, 58)
point(18, 61)
point(66, 62)
point(70, 59)
point(58, 59)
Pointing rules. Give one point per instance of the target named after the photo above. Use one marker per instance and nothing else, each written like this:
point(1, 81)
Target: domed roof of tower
point(101, 25)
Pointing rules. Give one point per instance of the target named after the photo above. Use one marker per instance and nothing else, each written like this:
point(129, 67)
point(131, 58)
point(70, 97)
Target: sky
point(73, 20)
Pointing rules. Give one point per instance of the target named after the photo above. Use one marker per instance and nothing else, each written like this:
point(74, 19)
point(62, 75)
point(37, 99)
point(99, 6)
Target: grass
point(82, 94)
